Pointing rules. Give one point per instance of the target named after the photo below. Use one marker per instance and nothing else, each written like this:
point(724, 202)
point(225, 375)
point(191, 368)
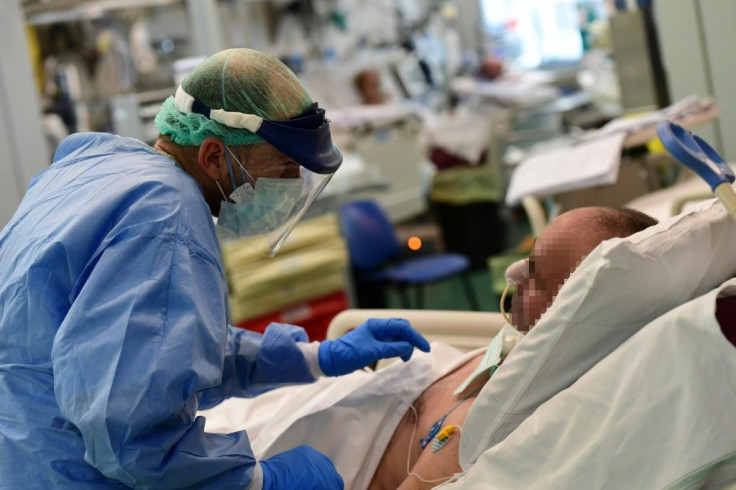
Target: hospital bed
point(381, 141)
point(628, 380)
point(668, 202)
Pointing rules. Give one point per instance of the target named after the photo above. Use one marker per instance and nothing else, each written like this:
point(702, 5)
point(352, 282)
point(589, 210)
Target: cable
point(447, 479)
point(408, 456)
point(502, 306)
point(414, 432)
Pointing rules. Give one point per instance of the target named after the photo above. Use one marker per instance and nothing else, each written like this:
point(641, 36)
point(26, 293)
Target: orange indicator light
point(415, 243)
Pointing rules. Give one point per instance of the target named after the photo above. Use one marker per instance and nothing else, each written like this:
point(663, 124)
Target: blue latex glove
point(378, 338)
point(304, 468)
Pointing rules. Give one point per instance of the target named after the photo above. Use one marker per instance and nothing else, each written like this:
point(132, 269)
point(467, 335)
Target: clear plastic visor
point(264, 215)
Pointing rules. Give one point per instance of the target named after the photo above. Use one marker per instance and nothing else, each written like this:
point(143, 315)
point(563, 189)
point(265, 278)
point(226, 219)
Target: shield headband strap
point(305, 138)
point(188, 104)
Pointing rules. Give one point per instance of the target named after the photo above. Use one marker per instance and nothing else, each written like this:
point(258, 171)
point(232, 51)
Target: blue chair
point(373, 249)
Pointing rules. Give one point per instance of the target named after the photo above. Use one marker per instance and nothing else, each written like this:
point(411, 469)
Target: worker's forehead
point(261, 154)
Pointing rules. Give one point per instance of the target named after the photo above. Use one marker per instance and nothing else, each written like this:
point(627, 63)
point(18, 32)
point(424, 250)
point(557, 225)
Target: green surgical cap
point(235, 80)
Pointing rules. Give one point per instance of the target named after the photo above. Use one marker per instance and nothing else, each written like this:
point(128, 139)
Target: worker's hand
point(378, 338)
point(304, 468)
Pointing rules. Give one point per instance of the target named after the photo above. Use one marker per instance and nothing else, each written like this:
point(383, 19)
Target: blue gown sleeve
point(145, 332)
point(256, 363)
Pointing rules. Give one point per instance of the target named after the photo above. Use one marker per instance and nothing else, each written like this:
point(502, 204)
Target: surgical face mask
point(259, 210)
point(516, 273)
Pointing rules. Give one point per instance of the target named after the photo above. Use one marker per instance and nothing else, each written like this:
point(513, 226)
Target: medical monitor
point(538, 33)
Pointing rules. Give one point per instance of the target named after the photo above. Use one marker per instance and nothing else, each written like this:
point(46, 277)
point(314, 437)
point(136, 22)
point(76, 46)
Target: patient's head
point(561, 247)
point(369, 85)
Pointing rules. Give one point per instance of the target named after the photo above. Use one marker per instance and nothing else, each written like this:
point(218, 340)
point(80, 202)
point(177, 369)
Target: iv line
point(439, 421)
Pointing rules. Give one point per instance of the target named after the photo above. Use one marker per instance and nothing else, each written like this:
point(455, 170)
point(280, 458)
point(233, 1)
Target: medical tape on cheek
point(516, 273)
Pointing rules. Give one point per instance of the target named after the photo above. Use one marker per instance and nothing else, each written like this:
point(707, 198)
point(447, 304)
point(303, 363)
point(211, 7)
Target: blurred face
point(370, 87)
point(557, 253)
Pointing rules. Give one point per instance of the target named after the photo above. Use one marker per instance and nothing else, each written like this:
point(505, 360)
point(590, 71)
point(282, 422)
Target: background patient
point(557, 252)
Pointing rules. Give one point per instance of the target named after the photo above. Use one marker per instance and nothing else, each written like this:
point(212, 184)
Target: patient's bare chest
point(431, 405)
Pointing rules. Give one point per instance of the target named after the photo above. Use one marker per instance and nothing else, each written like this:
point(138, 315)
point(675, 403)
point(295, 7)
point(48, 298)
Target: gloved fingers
point(401, 349)
point(396, 329)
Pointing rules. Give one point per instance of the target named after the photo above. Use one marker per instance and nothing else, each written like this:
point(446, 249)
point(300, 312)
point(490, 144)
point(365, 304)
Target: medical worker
point(113, 301)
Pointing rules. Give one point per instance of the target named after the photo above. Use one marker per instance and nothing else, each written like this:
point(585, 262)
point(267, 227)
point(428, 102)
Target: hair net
point(235, 80)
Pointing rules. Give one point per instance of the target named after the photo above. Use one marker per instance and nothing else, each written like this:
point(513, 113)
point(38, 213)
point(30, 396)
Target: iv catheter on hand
point(693, 152)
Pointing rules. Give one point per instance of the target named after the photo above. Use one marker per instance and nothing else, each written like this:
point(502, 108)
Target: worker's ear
point(211, 158)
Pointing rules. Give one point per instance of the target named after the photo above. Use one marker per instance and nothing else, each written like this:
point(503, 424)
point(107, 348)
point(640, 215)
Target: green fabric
point(458, 186)
point(697, 478)
point(235, 80)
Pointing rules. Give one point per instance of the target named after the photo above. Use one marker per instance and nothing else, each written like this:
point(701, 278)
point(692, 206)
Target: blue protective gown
point(113, 329)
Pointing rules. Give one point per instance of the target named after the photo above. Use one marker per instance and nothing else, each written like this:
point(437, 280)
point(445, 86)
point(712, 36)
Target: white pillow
point(621, 286)
point(656, 413)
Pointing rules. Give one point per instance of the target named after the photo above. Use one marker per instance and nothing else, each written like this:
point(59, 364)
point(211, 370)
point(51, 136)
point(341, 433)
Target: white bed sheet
point(656, 413)
point(351, 418)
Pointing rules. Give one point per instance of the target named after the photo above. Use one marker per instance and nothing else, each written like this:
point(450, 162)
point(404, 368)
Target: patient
point(557, 253)
point(369, 86)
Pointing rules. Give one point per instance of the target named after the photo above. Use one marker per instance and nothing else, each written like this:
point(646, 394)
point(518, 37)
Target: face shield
point(267, 209)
